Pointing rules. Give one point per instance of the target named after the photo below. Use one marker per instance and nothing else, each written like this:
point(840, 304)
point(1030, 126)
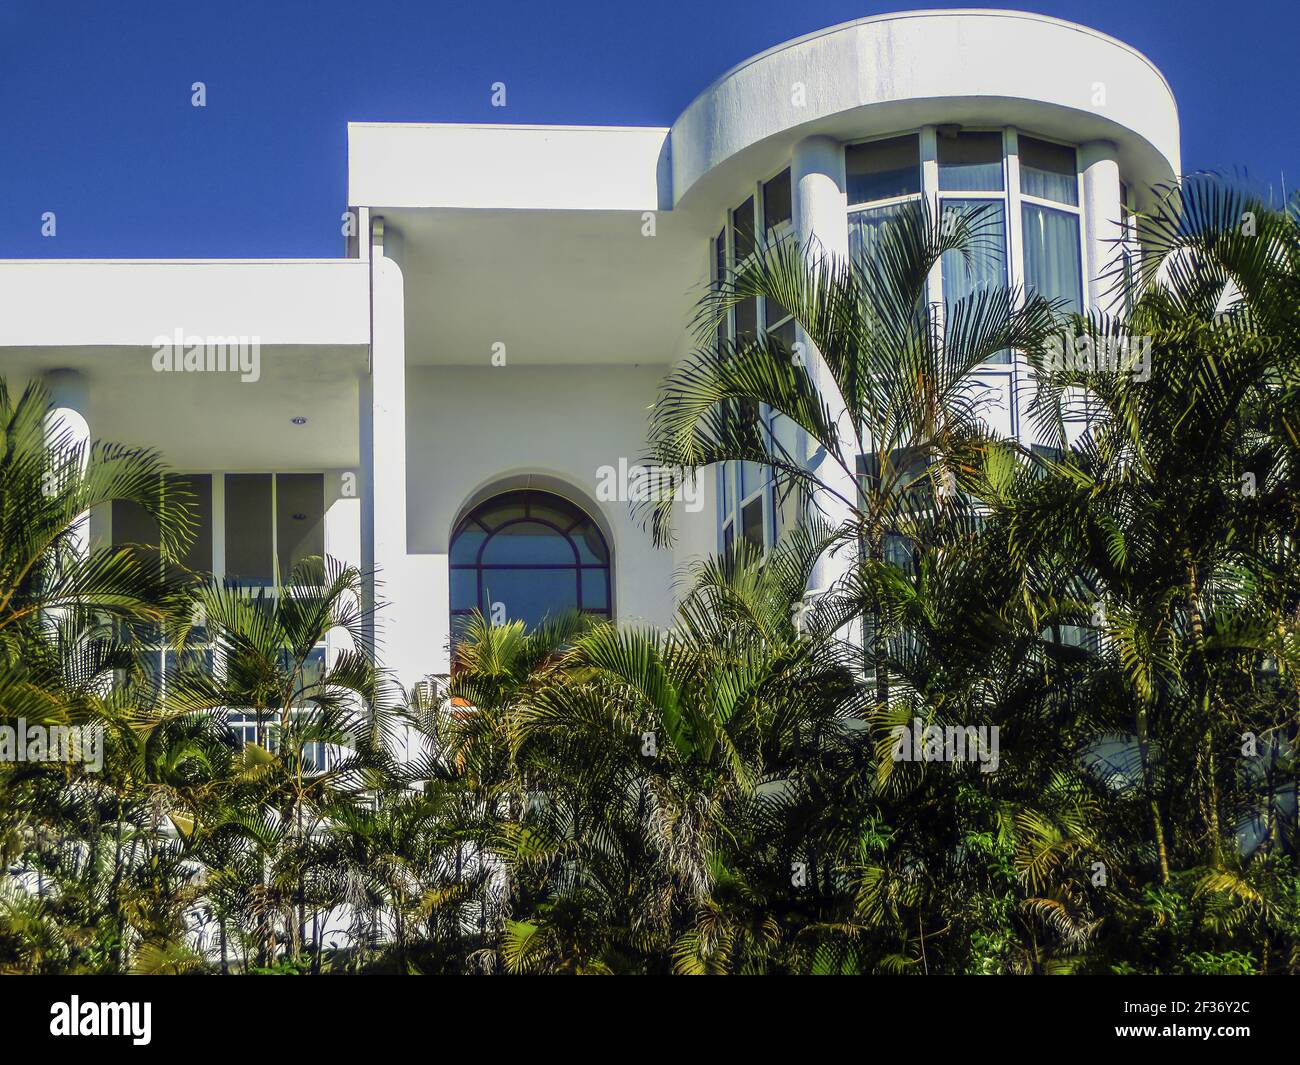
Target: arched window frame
point(481, 511)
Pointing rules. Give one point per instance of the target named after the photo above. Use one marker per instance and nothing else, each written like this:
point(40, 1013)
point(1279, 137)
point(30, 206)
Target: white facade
point(514, 294)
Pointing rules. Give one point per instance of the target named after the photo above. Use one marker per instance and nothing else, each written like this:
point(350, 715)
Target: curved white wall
point(900, 71)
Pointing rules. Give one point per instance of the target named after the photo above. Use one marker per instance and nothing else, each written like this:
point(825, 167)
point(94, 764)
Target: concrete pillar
point(1101, 218)
point(821, 225)
point(67, 427)
point(406, 620)
point(342, 534)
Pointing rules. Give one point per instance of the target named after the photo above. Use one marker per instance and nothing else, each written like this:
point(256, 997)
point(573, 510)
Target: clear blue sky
point(96, 123)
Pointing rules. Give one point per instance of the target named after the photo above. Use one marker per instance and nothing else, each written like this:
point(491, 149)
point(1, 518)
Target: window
point(1053, 256)
point(745, 489)
point(742, 231)
point(883, 170)
point(263, 516)
point(1048, 171)
point(777, 202)
point(528, 555)
point(970, 162)
point(272, 516)
point(987, 266)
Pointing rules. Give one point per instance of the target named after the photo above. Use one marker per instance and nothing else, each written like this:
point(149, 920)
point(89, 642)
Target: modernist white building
point(439, 402)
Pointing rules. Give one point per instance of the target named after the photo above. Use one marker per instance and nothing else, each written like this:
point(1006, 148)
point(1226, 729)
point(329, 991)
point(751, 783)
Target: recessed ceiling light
point(299, 420)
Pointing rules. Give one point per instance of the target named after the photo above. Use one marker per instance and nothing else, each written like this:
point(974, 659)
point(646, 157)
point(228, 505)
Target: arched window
point(529, 554)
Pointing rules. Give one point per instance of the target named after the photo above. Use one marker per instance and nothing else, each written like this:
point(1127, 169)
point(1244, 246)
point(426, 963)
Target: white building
point(517, 293)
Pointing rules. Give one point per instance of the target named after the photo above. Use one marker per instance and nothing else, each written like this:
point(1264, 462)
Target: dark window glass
point(135, 528)
point(970, 162)
point(776, 201)
point(134, 525)
point(751, 523)
point(773, 312)
point(299, 517)
point(747, 318)
point(720, 272)
point(1053, 261)
point(883, 169)
point(533, 553)
point(248, 528)
point(1048, 171)
point(742, 229)
point(785, 333)
point(196, 490)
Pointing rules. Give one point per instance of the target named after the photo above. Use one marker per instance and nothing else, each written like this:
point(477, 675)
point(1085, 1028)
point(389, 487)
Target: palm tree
point(321, 729)
point(886, 398)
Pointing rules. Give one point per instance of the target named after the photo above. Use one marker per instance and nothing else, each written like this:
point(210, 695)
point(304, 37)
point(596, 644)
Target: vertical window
point(742, 231)
point(884, 173)
point(1053, 258)
point(745, 489)
point(776, 202)
point(299, 518)
point(249, 546)
point(985, 266)
point(1051, 228)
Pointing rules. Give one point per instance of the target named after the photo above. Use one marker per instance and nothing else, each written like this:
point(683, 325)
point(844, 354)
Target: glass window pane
point(883, 169)
point(248, 528)
point(196, 490)
point(751, 523)
point(466, 543)
point(464, 589)
point(747, 318)
point(865, 227)
point(590, 543)
point(776, 201)
point(785, 333)
point(1053, 266)
point(987, 266)
point(1048, 171)
point(595, 589)
point(529, 595)
point(742, 229)
point(300, 517)
point(135, 526)
point(528, 543)
point(970, 162)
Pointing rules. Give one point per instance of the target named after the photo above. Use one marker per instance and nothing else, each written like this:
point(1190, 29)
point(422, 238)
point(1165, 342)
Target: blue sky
point(96, 122)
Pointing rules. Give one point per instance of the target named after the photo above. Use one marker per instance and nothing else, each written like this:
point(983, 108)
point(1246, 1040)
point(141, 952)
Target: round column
point(1101, 218)
point(66, 428)
point(821, 227)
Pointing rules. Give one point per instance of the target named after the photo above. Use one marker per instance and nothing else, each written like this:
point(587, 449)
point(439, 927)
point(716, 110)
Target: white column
point(342, 534)
point(821, 225)
point(405, 624)
point(67, 426)
point(1101, 217)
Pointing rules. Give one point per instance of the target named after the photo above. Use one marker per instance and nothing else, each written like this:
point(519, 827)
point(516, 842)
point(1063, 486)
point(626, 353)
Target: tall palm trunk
point(1202, 676)
point(1144, 755)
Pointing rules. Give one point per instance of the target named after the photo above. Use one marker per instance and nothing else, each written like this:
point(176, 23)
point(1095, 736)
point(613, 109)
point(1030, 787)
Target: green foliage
point(723, 796)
